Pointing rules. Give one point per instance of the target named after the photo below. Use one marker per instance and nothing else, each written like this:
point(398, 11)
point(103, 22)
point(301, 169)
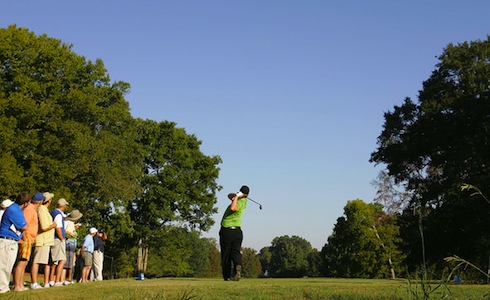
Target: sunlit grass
point(191, 288)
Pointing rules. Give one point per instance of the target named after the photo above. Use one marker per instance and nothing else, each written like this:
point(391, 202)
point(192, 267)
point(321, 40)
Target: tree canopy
point(436, 144)
point(66, 128)
point(363, 243)
point(178, 183)
point(289, 256)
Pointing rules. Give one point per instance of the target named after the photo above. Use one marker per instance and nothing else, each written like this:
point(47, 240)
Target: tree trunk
point(142, 255)
point(393, 275)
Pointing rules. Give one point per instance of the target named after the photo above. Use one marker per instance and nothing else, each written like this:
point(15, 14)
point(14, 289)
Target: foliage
point(314, 263)
point(205, 258)
point(64, 126)
point(389, 194)
point(433, 146)
point(265, 260)
point(177, 252)
point(178, 184)
point(213, 267)
point(362, 243)
point(179, 181)
point(289, 256)
point(251, 267)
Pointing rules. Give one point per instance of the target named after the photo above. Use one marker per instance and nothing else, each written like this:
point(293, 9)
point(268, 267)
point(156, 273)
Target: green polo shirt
point(234, 218)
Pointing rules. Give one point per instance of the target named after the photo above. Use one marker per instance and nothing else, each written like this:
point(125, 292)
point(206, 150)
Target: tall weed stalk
point(460, 262)
point(426, 289)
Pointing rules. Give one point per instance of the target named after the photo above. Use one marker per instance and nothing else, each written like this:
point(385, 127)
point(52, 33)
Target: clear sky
point(291, 94)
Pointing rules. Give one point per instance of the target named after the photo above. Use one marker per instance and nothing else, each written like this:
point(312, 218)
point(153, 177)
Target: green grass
point(210, 289)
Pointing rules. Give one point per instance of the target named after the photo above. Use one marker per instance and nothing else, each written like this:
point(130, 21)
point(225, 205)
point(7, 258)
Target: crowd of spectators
point(32, 235)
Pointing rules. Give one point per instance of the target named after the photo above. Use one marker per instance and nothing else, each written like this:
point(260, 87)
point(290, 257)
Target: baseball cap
point(62, 202)
point(37, 197)
point(48, 196)
point(92, 230)
point(244, 189)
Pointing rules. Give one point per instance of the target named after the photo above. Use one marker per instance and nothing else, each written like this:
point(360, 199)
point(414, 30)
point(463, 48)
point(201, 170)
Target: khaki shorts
point(88, 258)
point(41, 255)
point(58, 250)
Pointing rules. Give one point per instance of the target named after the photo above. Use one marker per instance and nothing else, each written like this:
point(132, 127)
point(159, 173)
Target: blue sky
point(291, 94)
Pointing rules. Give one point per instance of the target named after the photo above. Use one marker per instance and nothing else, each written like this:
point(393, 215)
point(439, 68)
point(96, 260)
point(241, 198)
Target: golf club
point(260, 205)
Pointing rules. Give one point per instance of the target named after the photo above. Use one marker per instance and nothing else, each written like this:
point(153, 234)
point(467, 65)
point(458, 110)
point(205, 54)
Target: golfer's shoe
point(238, 273)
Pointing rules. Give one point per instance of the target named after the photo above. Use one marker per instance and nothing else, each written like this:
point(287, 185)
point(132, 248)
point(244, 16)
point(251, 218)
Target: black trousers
point(230, 242)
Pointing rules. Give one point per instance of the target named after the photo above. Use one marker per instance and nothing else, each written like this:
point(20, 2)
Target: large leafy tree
point(64, 126)
point(435, 145)
point(364, 243)
point(178, 186)
point(289, 256)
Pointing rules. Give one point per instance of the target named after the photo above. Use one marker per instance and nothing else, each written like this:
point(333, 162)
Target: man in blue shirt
point(87, 252)
point(11, 227)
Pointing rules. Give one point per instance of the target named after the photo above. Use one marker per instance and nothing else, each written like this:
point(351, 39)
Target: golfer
point(231, 235)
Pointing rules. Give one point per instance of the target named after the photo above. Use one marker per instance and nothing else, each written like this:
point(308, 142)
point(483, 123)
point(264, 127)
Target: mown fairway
point(189, 288)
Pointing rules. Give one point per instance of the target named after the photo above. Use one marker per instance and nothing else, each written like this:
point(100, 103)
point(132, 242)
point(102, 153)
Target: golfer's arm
point(234, 203)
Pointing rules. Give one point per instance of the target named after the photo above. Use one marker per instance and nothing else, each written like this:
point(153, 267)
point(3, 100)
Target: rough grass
point(210, 289)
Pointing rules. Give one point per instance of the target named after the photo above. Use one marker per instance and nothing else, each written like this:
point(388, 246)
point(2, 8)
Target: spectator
point(28, 238)
point(71, 244)
point(43, 243)
point(98, 266)
point(5, 203)
point(87, 253)
point(58, 250)
point(11, 227)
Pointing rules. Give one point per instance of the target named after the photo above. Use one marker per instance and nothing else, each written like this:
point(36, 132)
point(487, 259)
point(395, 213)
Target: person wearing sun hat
point(58, 250)
point(44, 241)
point(71, 226)
point(11, 227)
point(28, 238)
point(231, 235)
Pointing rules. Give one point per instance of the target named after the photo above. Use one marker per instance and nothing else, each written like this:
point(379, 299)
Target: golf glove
point(239, 194)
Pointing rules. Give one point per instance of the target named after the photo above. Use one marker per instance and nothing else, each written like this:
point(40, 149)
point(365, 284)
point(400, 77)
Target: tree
point(314, 263)
point(265, 261)
point(205, 257)
point(363, 243)
point(251, 267)
point(64, 127)
point(213, 266)
point(433, 146)
point(289, 256)
point(178, 187)
point(389, 194)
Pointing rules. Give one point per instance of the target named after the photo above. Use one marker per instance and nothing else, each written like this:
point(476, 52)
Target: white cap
point(6, 203)
point(93, 230)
